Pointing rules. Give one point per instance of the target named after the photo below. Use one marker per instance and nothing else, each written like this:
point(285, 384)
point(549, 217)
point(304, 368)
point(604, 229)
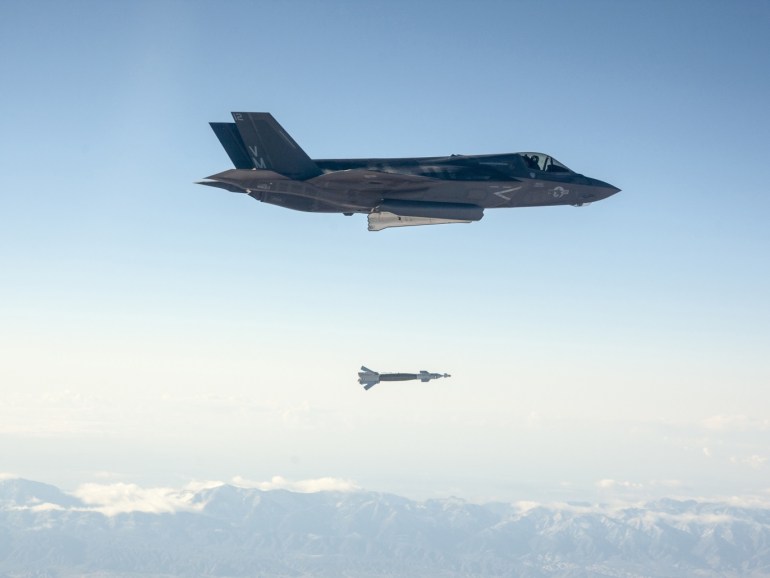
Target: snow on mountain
point(228, 531)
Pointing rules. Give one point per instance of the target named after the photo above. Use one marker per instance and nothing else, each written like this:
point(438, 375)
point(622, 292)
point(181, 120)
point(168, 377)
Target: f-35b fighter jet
point(271, 167)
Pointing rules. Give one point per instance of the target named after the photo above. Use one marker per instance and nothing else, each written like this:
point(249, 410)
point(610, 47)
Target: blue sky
point(156, 330)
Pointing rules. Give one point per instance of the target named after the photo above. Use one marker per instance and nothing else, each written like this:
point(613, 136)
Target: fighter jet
point(271, 167)
point(369, 378)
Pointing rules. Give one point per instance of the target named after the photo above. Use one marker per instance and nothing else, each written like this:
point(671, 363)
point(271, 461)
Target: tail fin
point(270, 147)
point(368, 378)
point(228, 135)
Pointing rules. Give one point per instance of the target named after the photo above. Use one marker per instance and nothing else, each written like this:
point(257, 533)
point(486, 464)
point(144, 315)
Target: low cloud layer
point(124, 498)
point(121, 498)
point(303, 486)
point(739, 423)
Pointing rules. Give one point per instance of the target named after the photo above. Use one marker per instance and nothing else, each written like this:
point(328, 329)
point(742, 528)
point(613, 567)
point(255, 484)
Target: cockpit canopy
point(543, 162)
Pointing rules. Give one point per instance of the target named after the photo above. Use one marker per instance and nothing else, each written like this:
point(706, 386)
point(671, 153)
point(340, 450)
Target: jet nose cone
point(604, 189)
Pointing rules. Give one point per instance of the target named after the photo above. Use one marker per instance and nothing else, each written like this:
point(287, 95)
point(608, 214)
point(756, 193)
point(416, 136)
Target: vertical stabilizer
point(228, 135)
point(271, 148)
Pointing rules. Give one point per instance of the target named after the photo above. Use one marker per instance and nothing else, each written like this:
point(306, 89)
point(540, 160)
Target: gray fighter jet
point(369, 378)
point(271, 167)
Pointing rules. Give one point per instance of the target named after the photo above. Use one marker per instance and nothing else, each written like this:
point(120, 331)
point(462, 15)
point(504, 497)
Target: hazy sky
point(156, 331)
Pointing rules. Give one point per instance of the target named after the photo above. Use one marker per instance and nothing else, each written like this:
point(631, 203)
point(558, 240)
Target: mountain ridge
point(232, 532)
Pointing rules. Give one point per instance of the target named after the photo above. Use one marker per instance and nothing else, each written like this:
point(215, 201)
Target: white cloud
point(738, 422)
point(609, 484)
point(8, 476)
point(526, 506)
point(46, 507)
point(749, 501)
point(198, 486)
point(303, 486)
point(120, 498)
point(112, 499)
point(684, 519)
point(754, 461)
point(633, 513)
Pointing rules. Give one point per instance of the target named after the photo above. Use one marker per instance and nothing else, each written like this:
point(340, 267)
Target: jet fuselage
point(393, 192)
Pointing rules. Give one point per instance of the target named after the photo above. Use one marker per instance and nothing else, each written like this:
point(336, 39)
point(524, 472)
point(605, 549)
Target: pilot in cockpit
point(533, 162)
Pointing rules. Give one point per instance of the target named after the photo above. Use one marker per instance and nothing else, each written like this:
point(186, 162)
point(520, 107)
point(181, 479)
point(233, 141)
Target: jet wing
point(393, 212)
point(374, 181)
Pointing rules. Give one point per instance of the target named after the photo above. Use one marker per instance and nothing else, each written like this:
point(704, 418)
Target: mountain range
point(226, 531)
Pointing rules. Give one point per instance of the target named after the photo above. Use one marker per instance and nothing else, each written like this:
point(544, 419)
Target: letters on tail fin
point(269, 147)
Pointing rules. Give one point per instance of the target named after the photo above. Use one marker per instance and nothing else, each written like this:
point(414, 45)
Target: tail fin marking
point(270, 147)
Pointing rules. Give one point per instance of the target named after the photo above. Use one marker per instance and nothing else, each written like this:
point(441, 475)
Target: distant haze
point(155, 332)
